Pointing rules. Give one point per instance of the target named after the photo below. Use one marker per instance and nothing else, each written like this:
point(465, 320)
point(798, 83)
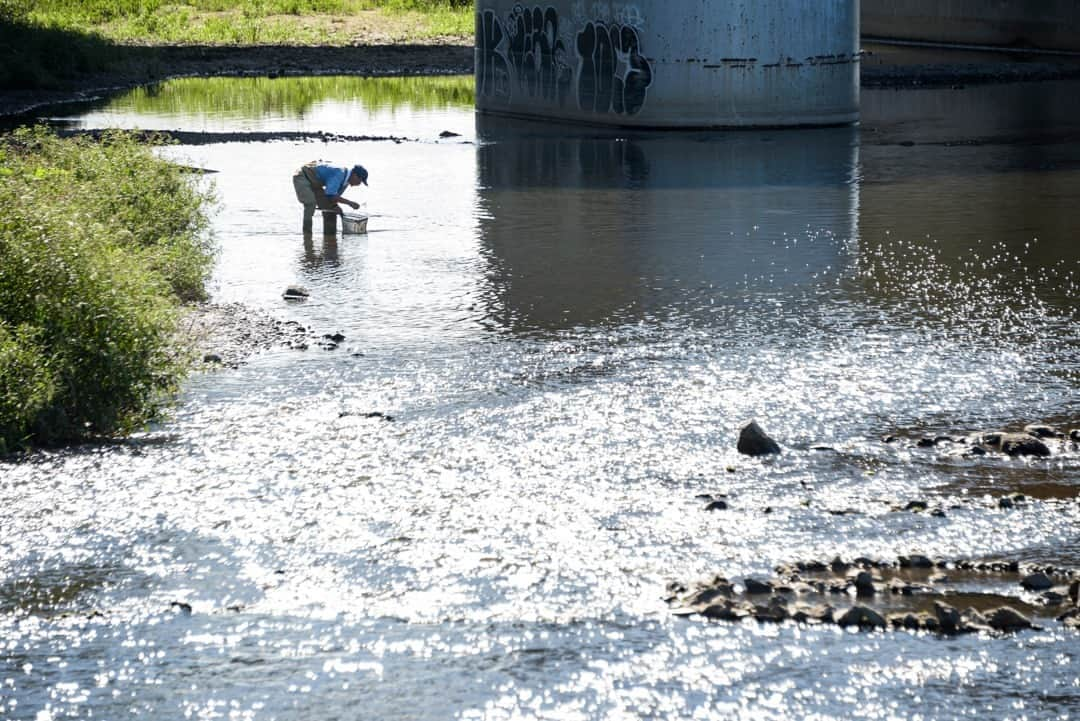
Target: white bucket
point(353, 224)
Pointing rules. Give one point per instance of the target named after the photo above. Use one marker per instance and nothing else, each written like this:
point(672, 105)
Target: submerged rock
point(753, 441)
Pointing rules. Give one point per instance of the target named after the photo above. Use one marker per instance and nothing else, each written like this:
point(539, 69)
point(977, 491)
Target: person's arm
point(339, 199)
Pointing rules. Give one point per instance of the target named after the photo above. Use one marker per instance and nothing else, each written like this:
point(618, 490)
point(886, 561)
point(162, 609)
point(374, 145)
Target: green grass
point(46, 44)
point(241, 22)
point(100, 242)
point(247, 98)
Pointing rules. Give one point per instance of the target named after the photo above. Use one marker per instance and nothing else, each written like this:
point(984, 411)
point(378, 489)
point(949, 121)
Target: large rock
point(754, 442)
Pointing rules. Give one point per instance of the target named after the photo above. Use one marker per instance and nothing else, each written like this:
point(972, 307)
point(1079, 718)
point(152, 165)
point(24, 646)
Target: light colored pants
point(305, 194)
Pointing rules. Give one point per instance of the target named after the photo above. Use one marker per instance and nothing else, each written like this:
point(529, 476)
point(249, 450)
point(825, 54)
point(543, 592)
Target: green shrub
point(27, 384)
point(99, 242)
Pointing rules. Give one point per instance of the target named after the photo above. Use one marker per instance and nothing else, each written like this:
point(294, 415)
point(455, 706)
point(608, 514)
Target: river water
point(567, 328)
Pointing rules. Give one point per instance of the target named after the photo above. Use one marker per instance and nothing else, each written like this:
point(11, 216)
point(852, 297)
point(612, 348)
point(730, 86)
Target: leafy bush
point(99, 242)
point(27, 384)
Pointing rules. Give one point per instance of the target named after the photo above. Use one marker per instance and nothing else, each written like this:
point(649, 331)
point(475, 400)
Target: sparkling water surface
point(567, 327)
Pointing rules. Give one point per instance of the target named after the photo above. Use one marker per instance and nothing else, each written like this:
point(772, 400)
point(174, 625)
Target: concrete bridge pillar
point(670, 63)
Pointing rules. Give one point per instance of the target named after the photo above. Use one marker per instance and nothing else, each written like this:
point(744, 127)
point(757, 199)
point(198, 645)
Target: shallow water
point(568, 327)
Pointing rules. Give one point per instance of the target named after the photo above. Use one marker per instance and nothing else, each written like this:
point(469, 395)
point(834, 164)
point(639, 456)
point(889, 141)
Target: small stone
point(1074, 435)
point(816, 614)
point(1005, 504)
point(723, 612)
point(1042, 431)
point(181, 607)
point(838, 565)
point(973, 615)
point(211, 358)
point(937, 513)
point(716, 506)
point(775, 612)
point(1037, 582)
point(334, 337)
point(754, 442)
point(1007, 619)
point(755, 586)
point(1053, 598)
point(864, 584)
point(948, 618)
point(889, 439)
point(1074, 592)
point(707, 595)
point(915, 561)
point(916, 506)
point(1022, 444)
point(925, 442)
point(862, 617)
point(295, 292)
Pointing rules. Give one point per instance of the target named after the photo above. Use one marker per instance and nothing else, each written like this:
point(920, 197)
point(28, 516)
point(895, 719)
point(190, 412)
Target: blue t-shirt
point(335, 180)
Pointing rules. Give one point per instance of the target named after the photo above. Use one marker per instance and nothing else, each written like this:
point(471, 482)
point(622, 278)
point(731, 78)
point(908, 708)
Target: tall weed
point(98, 244)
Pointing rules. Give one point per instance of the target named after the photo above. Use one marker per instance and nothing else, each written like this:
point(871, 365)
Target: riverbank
point(145, 66)
point(883, 66)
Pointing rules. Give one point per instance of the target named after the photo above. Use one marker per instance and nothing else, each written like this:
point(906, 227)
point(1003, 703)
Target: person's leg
point(306, 196)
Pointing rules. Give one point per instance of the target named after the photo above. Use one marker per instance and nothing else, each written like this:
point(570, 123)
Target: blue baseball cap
point(361, 173)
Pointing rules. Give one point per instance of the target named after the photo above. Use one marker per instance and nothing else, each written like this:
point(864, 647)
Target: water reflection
point(417, 106)
point(321, 254)
point(971, 187)
point(587, 227)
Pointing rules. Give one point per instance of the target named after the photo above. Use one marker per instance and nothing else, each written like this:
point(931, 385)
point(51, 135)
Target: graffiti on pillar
point(492, 69)
point(614, 74)
point(538, 54)
point(531, 54)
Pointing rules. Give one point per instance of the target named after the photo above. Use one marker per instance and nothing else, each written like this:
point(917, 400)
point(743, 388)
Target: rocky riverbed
point(913, 593)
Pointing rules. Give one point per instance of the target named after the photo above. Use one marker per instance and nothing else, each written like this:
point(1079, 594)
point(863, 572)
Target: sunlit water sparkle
point(568, 331)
